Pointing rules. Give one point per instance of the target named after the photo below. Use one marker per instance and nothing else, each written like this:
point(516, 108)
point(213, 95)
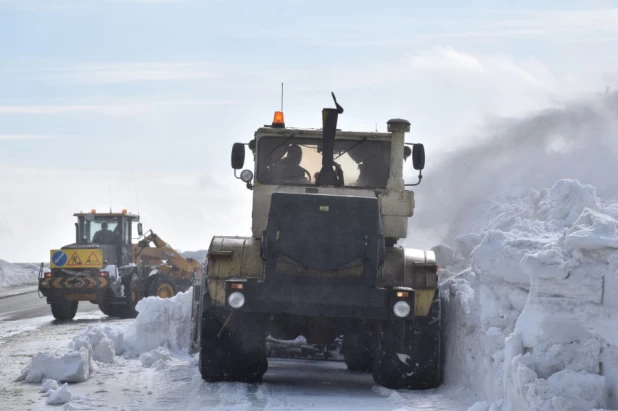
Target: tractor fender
point(231, 257)
point(412, 268)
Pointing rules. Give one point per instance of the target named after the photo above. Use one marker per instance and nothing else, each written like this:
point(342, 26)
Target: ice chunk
point(60, 396)
point(157, 355)
point(584, 390)
point(591, 231)
point(48, 385)
point(106, 341)
point(67, 366)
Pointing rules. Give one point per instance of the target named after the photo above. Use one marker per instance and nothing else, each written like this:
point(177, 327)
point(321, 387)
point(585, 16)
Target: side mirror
point(418, 156)
point(238, 156)
point(140, 231)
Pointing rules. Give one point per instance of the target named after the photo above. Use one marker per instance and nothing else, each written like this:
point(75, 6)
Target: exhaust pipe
point(328, 176)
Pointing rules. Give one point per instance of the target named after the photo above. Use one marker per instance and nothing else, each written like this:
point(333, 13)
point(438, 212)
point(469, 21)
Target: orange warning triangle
point(74, 260)
point(93, 259)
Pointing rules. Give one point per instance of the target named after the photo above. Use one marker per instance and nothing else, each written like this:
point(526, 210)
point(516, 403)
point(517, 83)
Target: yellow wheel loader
point(104, 267)
point(328, 209)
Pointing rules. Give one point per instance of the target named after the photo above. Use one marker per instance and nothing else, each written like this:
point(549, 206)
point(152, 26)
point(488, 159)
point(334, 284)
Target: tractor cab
point(111, 232)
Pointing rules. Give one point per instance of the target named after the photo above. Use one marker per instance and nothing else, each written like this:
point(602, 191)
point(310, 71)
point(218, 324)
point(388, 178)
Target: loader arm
point(164, 257)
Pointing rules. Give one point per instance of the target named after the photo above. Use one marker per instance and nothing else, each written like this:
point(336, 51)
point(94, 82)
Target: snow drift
point(530, 259)
point(531, 290)
point(161, 325)
point(17, 274)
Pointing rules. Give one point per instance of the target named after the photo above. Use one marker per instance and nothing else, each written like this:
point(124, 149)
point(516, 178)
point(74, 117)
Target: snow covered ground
point(143, 364)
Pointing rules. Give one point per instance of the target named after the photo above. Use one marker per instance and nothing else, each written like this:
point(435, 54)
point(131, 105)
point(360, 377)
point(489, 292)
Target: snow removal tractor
point(104, 267)
point(328, 209)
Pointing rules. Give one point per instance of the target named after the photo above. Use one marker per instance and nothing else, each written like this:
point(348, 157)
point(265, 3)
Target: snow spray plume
point(577, 141)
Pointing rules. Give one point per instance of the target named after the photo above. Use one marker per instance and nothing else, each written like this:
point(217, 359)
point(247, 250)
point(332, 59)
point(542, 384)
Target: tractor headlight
point(246, 176)
point(236, 299)
point(401, 309)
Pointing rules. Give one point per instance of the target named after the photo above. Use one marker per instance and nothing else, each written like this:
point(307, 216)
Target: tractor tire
point(234, 352)
point(133, 294)
point(357, 351)
point(124, 309)
point(408, 353)
point(64, 310)
point(162, 286)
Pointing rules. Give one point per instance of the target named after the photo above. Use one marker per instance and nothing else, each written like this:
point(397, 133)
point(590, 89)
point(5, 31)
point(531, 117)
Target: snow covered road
point(27, 304)
point(127, 384)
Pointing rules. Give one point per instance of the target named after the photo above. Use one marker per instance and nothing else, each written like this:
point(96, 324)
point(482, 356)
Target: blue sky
point(107, 96)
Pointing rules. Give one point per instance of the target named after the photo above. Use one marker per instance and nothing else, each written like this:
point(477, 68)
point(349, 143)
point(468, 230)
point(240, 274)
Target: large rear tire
point(235, 351)
point(162, 286)
point(64, 310)
point(126, 308)
point(408, 353)
point(357, 351)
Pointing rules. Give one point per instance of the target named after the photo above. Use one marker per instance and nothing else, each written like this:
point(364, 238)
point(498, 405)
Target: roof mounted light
point(93, 211)
point(278, 121)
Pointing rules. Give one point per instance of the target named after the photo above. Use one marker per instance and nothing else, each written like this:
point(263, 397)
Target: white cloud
point(446, 59)
point(34, 5)
point(134, 72)
point(123, 107)
point(478, 25)
point(23, 137)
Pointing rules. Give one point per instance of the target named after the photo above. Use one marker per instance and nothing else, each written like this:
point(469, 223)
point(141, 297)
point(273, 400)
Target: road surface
point(29, 305)
point(27, 327)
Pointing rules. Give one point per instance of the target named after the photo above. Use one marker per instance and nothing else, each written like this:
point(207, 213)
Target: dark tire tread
point(408, 354)
point(64, 310)
point(236, 352)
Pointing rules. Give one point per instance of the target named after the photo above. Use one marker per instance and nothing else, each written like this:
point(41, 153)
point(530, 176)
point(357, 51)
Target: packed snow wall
point(530, 259)
point(17, 274)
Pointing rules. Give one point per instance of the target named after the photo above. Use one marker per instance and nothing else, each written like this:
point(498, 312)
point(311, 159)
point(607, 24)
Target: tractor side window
point(126, 232)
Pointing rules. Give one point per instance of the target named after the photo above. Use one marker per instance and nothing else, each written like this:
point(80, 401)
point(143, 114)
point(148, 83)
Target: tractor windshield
point(100, 230)
point(365, 163)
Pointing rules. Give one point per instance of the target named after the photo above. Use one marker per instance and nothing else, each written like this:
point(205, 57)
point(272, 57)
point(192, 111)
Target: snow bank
point(161, 325)
point(533, 288)
point(17, 274)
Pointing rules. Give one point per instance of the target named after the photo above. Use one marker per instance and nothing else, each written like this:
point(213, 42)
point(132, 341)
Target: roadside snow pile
point(534, 289)
point(160, 323)
point(163, 325)
point(17, 274)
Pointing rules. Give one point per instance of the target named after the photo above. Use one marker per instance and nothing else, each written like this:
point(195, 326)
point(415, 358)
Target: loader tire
point(234, 352)
point(357, 351)
point(64, 310)
point(408, 353)
point(126, 308)
point(162, 286)
point(133, 294)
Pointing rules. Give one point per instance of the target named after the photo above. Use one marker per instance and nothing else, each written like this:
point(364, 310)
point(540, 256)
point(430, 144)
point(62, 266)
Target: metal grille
point(288, 266)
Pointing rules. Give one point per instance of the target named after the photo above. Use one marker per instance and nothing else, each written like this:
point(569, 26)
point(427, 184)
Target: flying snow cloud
point(577, 141)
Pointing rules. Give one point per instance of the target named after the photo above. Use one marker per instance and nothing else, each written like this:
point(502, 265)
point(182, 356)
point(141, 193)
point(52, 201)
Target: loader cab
point(111, 232)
